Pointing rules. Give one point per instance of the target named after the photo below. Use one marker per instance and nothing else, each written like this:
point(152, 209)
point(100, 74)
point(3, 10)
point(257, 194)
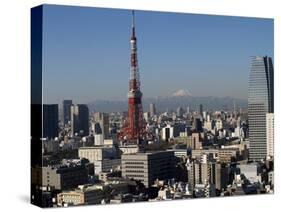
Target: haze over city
point(86, 53)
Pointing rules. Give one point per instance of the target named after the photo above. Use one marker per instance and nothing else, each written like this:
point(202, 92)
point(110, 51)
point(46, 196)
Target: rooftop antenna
point(133, 24)
point(133, 18)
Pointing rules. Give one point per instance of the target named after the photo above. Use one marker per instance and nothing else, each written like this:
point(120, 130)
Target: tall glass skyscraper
point(66, 110)
point(80, 120)
point(260, 102)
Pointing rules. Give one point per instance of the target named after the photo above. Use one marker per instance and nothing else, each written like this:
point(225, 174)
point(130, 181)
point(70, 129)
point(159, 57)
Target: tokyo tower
point(134, 128)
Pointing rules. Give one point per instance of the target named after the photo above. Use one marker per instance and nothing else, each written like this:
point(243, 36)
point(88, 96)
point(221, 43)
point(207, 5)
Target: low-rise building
point(129, 149)
point(271, 177)
point(107, 165)
point(212, 153)
point(83, 195)
point(104, 157)
point(60, 177)
point(204, 190)
point(96, 153)
point(250, 172)
point(228, 155)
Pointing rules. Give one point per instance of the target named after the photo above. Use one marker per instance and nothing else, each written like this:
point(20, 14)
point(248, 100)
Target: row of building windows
point(134, 167)
point(134, 163)
point(132, 176)
point(140, 171)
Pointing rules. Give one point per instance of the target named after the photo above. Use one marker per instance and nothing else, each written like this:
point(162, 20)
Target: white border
point(15, 99)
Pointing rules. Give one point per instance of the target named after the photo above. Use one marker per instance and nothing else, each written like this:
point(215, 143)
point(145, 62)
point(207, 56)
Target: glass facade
point(260, 102)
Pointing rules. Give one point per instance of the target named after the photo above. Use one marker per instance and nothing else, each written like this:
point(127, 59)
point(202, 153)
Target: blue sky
point(86, 53)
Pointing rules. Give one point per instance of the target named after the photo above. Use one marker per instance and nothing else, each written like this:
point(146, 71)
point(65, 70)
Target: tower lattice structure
point(134, 128)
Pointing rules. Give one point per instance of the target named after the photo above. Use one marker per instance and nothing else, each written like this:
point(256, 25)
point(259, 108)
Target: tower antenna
point(133, 18)
point(134, 128)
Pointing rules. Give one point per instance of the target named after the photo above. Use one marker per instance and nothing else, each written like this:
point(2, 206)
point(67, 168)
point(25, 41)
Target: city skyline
point(184, 146)
point(100, 51)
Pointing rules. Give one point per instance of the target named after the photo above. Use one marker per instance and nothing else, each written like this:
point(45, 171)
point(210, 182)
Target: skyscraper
point(198, 173)
point(50, 120)
point(187, 110)
point(180, 111)
point(260, 102)
point(66, 110)
point(219, 174)
point(201, 110)
point(80, 120)
point(152, 109)
point(197, 125)
point(103, 120)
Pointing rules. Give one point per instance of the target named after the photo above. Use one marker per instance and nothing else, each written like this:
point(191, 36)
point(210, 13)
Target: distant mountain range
point(178, 99)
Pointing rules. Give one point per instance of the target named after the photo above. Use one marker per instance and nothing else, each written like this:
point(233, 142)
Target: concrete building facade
point(83, 195)
point(103, 120)
point(60, 177)
point(103, 157)
point(147, 167)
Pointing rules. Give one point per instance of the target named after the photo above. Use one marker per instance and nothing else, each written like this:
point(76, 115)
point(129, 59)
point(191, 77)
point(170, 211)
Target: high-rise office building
point(196, 142)
point(197, 125)
point(152, 109)
point(167, 132)
point(80, 120)
point(180, 111)
point(204, 115)
point(202, 172)
point(201, 110)
point(219, 174)
point(66, 110)
point(187, 110)
point(50, 121)
point(103, 120)
point(260, 102)
point(149, 166)
point(198, 173)
point(270, 134)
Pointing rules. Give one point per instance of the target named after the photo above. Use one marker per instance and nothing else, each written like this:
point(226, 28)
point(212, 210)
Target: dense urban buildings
point(260, 102)
point(182, 152)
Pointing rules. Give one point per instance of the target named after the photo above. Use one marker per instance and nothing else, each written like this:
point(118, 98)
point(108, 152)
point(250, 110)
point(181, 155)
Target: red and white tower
point(134, 129)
